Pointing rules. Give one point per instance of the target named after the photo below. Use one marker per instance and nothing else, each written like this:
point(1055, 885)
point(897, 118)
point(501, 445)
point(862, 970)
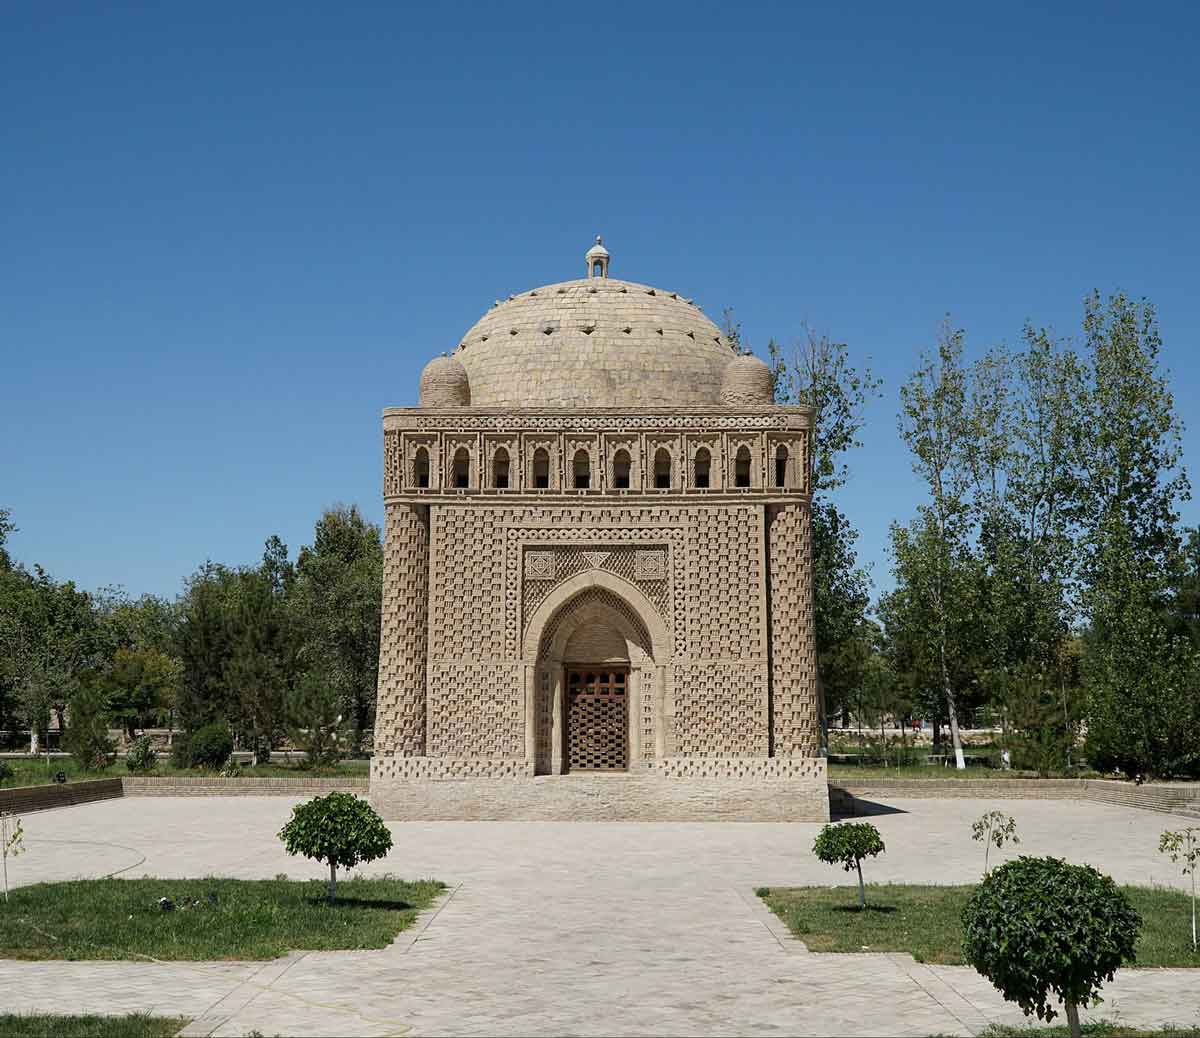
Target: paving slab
point(576, 928)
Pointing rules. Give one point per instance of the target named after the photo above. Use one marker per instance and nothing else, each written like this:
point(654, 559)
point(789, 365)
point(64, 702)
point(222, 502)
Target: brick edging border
point(1181, 800)
point(27, 799)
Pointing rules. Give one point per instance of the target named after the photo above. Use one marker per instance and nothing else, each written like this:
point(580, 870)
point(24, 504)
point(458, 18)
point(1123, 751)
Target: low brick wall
point(625, 797)
point(172, 786)
point(26, 799)
point(1181, 799)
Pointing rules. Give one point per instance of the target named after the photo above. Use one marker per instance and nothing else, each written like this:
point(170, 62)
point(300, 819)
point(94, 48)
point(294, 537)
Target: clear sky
point(230, 235)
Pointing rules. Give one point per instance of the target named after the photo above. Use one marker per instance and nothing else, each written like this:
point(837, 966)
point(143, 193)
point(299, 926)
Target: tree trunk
point(862, 893)
point(955, 739)
point(33, 740)
point(332, 882)
point(1073, 1019)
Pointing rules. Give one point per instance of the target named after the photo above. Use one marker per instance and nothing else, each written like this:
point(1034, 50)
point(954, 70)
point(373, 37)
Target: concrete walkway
point(576, 929)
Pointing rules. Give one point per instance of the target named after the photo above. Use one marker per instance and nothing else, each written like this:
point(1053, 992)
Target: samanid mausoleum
point(597, 596)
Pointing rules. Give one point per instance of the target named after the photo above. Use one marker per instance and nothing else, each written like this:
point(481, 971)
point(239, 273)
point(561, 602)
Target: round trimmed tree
point(339, 829)
point(846, 844)
point(1039, 928)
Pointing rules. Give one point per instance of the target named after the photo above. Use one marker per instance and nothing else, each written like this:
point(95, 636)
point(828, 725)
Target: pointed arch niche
point(598, 613)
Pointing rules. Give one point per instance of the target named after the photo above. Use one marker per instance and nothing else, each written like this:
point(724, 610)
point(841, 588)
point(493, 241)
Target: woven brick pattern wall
point(793, 647)
point(400, 709)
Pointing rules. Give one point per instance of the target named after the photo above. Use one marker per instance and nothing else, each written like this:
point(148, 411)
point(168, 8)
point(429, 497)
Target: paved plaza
point(576, 928)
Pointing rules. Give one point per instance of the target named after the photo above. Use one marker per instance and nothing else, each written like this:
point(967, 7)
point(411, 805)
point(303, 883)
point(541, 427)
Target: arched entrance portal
point(595, 653)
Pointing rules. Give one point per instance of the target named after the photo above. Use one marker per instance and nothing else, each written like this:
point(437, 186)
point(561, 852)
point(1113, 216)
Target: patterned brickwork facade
point(793, 643)
point(400, 706)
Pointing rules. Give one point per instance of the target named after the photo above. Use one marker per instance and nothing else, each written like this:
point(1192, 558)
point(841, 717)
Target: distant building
point(597, 581)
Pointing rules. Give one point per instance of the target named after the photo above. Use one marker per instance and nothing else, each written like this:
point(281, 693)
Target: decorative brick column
point(400, 711)
point(795, 716)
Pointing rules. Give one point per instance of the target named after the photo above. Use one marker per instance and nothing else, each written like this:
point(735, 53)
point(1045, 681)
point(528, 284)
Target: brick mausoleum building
point(597, 597)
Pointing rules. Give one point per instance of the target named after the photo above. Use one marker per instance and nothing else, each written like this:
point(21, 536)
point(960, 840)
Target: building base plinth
point(675, 790)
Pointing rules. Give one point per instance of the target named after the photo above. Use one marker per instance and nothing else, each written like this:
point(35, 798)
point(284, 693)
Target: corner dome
point(747, 380)
point(444, 383)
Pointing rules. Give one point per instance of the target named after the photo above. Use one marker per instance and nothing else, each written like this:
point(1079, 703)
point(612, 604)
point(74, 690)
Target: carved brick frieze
point(608, 421)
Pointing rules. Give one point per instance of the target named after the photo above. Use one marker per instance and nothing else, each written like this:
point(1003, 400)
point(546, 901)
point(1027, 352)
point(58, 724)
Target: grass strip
point(36, 772)
point(1099, 1029)
point(211, 919)
point(48, 1025)
point(926, 921)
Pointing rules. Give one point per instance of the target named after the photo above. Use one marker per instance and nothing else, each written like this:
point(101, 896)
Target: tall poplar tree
point(1143, 688)
point(931, 554)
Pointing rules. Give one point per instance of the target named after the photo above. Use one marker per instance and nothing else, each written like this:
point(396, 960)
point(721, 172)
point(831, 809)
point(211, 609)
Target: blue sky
point(232, 234)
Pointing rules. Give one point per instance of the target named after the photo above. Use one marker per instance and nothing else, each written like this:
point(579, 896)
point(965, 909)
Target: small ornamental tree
point(210, 746)
point(12, 838)
point(846, 844)
point(1039, 928)
point(1183, 845)
point(994, 828)
point(339, 829)
point(141, 755)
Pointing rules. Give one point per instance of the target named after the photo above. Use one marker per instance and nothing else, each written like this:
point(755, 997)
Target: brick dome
point(594, 342)
point(444, 383)
point(747, 380)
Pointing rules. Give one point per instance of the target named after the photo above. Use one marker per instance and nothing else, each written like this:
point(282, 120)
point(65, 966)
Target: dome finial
point(597, 259)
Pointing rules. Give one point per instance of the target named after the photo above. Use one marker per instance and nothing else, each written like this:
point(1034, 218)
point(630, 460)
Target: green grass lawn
point(45, 1025)
point(1100, 1029)
point(36, 772)
point(927, 921)
point(214, 918)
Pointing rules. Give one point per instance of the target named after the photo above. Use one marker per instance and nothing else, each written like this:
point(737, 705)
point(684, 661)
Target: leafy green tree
point(314, 718)
point(820, 374)
point(931, 556)
point(87, 738)
point(1185, 589)
point(931, 621)
point(261, 665)
point(48, 632)
point(847, 844)
point(1039, 927)
point(204, 646)
point(1142, 678)
point(7, 526)
point(338, 829)
point(141, 686)
point(335, 604)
